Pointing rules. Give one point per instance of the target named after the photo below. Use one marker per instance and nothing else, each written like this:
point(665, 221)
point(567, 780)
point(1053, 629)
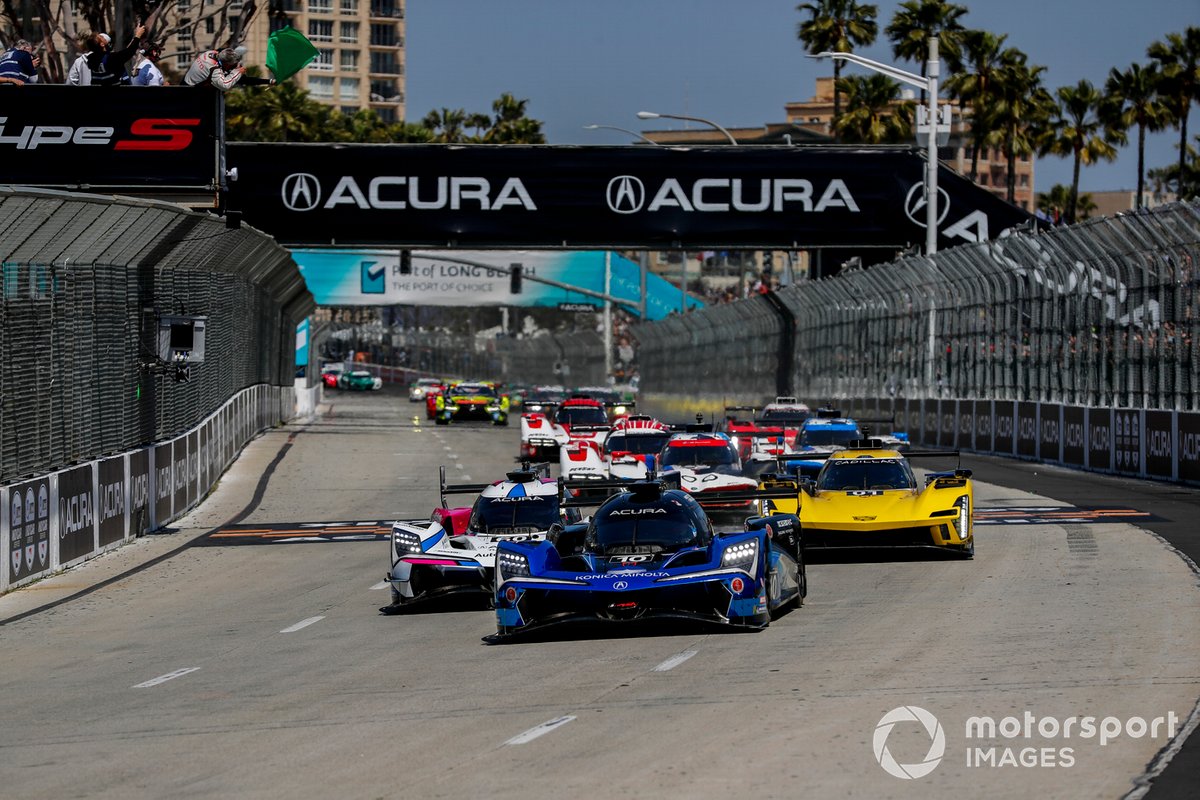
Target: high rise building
point(361, 64)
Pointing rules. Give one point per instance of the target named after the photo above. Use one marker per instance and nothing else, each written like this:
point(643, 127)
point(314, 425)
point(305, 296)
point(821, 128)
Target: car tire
point(440, 421)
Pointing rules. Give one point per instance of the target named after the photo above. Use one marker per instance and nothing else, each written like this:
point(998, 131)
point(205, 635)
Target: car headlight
point(963, 520)
point(619, 410)
point(405, 542)
point(511, 565)
point(741, 555)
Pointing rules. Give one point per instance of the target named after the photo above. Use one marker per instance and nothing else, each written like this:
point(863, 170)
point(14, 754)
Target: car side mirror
point(808, 486)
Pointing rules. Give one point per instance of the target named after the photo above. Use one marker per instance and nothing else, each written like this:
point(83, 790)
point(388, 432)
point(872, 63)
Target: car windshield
point(473, 389)
point(696, 454)
point(509, 516)
point(427, 382)
point(624, 527)
point(643, 444)
point(823, 437)
point(545, 396)
point(581, 415)
point(845, 474)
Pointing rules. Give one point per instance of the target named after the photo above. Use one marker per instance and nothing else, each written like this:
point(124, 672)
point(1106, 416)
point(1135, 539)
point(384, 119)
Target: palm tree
point(447, 125)
point(1133, 100)
point(1059, 198)
point(511, 126)
point(917, 22)
point(1021, 105)
point(1075, 129)
point(836, 26)
point(869, 118)
point(972, 82)
point(1179, 58)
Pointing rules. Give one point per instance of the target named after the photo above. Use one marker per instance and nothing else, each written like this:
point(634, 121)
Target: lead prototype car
point(455, 553)
point(650, 553)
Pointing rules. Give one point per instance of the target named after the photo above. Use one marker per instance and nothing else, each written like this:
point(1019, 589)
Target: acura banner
point(516, 196)
point(98, 139)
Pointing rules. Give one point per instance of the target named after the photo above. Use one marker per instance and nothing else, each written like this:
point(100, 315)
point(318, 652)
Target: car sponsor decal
point(1061, 515)
point(303, 532)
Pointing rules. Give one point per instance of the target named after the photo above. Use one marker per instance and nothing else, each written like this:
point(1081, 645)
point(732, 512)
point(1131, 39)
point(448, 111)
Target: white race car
point(456, 551)
point(576, 417)
point(626, 452)
point(709, 468)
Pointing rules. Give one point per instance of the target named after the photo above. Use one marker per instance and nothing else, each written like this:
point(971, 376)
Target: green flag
point(288, 52)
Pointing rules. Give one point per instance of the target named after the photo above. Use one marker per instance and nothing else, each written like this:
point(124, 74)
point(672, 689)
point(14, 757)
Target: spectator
point(145, 69)
point(79, 74)
point(222, 69)
point(19, 65)
point(107, 65)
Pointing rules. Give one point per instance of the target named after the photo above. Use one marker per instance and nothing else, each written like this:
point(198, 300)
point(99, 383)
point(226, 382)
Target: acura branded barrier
point(68, 516)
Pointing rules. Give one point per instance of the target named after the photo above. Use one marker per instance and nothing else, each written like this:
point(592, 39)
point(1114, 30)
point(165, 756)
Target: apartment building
point(361, 64)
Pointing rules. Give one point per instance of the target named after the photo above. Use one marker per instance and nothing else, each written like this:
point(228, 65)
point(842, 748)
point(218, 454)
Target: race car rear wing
point(527, 472)
point(664, 481)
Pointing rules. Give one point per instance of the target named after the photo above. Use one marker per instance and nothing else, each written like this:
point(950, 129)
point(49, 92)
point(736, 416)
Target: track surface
point(266, 671)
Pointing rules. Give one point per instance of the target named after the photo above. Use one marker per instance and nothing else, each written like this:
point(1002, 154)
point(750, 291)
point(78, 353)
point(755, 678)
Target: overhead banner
point(374, 277)
point(539, 196)
point(113, 141)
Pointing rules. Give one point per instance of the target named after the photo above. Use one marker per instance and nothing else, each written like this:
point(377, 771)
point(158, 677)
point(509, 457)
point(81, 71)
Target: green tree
point(1021, 107)
point(837, 26)
point(870, 117)
point(1133, 100)
point(1185, 182)
point(1075, 129)
point(1179, 60)
point(973, 82)
point(1058, 199)
point(916, 22)
point(447, 125)
point(511, 126)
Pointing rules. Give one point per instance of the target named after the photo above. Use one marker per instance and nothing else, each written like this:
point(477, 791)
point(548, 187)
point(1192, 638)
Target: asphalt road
point(168, 669)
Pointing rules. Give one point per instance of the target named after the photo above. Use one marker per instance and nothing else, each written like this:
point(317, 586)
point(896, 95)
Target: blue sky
point(736, 62)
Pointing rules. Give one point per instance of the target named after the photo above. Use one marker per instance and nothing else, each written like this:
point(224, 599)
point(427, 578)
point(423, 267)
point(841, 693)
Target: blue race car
point(649, 552)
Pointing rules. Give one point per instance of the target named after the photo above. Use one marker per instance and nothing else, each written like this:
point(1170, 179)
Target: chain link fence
point(85, 280)
point(1103, 313)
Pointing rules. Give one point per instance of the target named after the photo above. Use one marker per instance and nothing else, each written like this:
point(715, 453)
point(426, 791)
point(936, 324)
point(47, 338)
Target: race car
point(868, 496)
point(359, 380)
point(709, 469)
point(330, 373)
point(418, 390)
point(629, 450)
point(542, 435)
point(542, 399)
point(468, 401)
point(828, 430)
point(781, 418)
point(455, 552)
point(649, 553)
point(616, 403)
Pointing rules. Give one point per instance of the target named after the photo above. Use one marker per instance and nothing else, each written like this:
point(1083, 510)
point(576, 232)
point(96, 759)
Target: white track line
point(380, 585)
point(304, 623)
point(539, 730)
point(674, 661)
point(164, 678)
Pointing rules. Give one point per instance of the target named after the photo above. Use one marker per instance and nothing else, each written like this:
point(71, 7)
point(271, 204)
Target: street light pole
point(929, 83)
point(622, 130)
point(708, 122)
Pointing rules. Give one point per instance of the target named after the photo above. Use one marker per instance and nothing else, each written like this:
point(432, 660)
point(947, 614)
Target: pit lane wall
point(1080, 346)
point(100, 439)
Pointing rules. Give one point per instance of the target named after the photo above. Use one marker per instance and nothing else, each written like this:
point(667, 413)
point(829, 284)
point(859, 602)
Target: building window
point(183, 61)
point(349, 33)
point(384, 63)
point(386, 114)
point(320, 30)
point(324, 60)
point(348, 89)
point(320, 86)
point(349, 6)
point(350, 60)
point(383, 35)
point(320, 6)
point(210, 25)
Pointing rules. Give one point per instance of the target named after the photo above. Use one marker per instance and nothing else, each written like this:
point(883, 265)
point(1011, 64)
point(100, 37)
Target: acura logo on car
point(626, 194)
point(914, 204)
point(301, 192)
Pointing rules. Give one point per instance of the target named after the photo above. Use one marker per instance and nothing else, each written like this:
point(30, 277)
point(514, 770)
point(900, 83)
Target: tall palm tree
point(972, 82)
point(446, 124)
point(1075, 129)
point(1021, 106)
point(1133, 100)
point(917, 22)
point(869, 117)
point(837, 26)
point(511, 126)
point(1179, 58)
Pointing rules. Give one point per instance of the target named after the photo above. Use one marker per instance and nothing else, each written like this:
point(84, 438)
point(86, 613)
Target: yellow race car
point(867, 496)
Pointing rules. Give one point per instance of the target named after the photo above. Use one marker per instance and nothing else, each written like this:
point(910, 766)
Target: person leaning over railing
point(222, 69)
point(19, 65)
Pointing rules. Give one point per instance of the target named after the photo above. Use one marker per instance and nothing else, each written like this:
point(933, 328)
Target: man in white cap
point(79, 74)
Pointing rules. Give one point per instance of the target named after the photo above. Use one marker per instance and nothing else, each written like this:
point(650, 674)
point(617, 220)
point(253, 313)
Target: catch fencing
point(1079, 346)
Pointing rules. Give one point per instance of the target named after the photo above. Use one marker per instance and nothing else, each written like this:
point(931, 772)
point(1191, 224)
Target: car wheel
point(968, 549)
point(440, 421)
